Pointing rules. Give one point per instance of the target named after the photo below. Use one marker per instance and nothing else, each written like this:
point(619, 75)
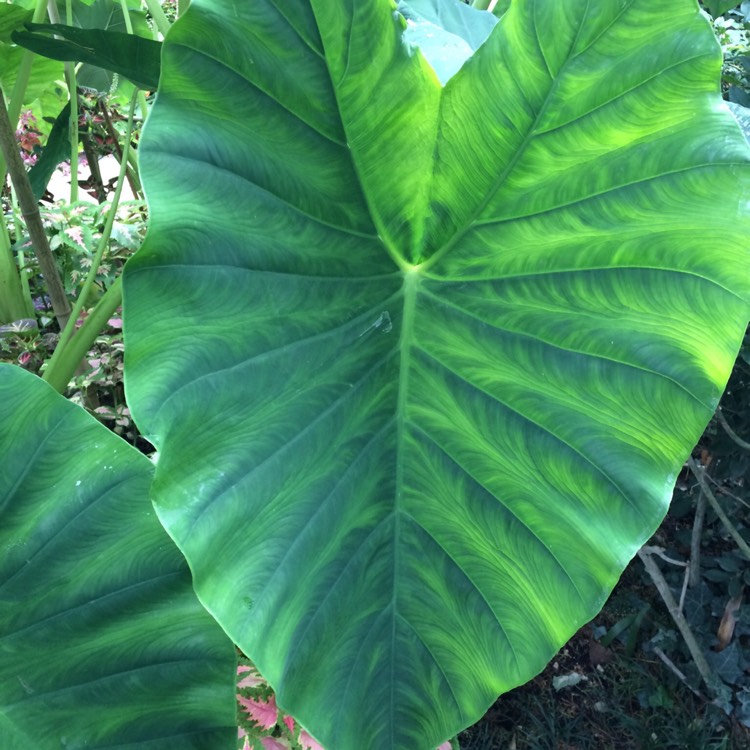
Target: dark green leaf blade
point(56, 150)
point(132, 56)
point(432, 381)
point(102, 642)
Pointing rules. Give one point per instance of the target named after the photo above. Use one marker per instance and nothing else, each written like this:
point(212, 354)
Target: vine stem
point(714, 503)
point(679, 619)
point(732, 434)
point(695, 540)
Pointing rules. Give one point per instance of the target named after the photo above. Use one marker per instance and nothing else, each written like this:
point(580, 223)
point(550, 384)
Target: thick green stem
point(72, 355)
point(481, 4)
point(23, 269)
point(30, 212)
point(24, 71)
point(73, 346)
point(161, 21)
point(70, 75)
point(12, 301)
point(142, 103)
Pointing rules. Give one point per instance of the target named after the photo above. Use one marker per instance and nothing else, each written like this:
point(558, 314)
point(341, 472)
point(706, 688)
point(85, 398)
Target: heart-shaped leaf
point(102, 641)
point(422, 363)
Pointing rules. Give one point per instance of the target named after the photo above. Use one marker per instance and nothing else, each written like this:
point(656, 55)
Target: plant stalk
point(76, 349)
point(695, 541)
point(30, 212)
point(73, 346)
point(142, 103)
point(24, 72)
point(23, 271)
point(161, 21)
point(70, 78)
point(13, 304)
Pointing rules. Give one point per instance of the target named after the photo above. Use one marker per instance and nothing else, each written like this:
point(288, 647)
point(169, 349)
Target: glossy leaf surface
point(422, 363)
point(102, 641)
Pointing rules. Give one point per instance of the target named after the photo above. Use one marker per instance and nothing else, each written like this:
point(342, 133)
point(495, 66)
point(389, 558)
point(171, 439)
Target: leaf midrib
point(411, 283)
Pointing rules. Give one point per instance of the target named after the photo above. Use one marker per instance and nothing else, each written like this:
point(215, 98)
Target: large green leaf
point(102, 641)
point(422, 363)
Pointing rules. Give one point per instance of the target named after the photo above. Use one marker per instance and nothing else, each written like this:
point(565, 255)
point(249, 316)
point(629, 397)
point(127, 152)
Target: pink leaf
point(307, 742)
point(252, 680)
point(274, 743)
point(445, 746)
point(76, 234)
point(289, 721)
point(115, 322)
point(264, 714)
